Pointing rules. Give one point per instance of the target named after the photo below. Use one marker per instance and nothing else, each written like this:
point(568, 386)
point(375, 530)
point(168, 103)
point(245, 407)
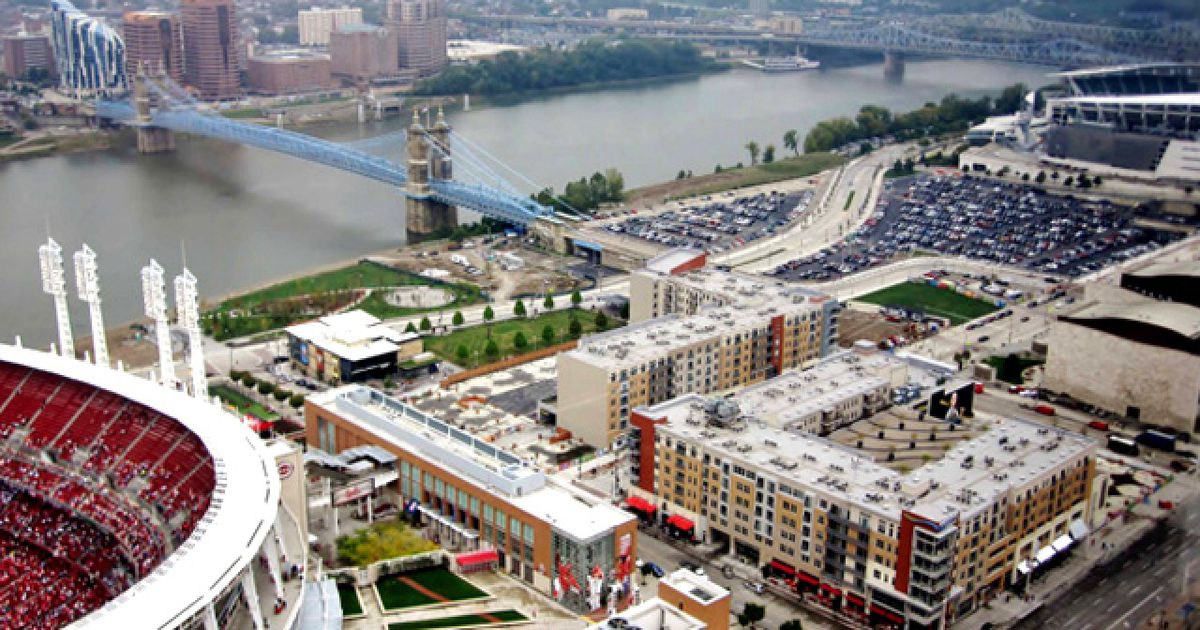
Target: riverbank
point(805, 165)
point(42, 146)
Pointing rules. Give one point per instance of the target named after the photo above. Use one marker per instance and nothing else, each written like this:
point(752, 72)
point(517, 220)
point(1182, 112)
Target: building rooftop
point(652, 614)
point(288, 55)
point(1130, 306)
point(667, 262)
point(472, 459)
point(698, 587)
point(1135, 67)
point(1189, 268)
point(967, 478)
point(744, 290)
point(353, 335)
point(1173, 98)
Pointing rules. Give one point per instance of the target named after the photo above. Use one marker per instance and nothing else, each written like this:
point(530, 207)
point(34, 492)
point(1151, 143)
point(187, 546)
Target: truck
point(1122, 445)
point(1157, 440)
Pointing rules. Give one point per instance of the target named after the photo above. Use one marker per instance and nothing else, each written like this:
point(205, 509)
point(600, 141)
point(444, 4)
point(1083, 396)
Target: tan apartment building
point(917, 550)
point(362, 52)
point(477, 496)
point(752, 331)
point(316, 25)
point(420, 26)
point(211, 55)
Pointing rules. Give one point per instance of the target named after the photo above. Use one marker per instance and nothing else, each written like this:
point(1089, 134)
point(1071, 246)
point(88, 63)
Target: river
point(243, 216)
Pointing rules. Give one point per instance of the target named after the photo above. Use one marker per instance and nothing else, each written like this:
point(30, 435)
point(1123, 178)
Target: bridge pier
point(425, 216)
point(893, 64)
point(150, 139)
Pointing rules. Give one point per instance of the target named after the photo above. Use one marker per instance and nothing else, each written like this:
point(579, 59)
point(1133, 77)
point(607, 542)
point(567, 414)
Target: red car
point(1045, 410)
point(1098, 425)
point(1166, 505)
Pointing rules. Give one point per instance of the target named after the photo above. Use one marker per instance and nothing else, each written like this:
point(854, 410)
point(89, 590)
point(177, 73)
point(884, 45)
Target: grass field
point(475, 338)
point(461, 621)
point(732, 177)
point(244, 404)
point(934, 301)
point(285, 303)
point(395, 594)
point(351, 604)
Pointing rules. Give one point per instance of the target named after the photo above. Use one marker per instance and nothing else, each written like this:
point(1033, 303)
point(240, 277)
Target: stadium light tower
point(187, 302)
point(87, 282)
point(154, 294)
point(54, 283)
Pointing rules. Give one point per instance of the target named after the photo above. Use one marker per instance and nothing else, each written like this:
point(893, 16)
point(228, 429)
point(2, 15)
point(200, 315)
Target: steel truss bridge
point(177, 112)
point(1010, 35)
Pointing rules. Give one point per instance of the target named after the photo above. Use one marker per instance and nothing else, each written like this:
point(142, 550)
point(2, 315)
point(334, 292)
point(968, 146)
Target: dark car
point(651, 568)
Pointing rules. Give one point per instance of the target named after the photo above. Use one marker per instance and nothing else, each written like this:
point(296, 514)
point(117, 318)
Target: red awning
point(477, 557)
point(832, 590)
point(887, 614)
point(680, 522)
point(854, 599)
point(640, 505)
point(782, 567)
point(806, 578)
point(256, 424)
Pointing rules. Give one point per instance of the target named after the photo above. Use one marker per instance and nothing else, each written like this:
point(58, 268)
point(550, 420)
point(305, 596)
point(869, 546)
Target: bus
point(1122, 445)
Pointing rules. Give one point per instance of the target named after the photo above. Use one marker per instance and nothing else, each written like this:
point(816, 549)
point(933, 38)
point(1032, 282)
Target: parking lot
point(719, 223)
point(997, 222)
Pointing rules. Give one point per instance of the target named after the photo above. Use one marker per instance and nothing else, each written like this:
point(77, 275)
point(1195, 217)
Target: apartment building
point(420, 26)
point(920, 548)
point(316, 25)
point(477, 496)
point(752, 330)
point(211, 59)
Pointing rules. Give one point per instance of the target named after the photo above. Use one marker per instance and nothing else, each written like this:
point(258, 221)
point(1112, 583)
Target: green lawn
point(296, 300)
point(1023, 363)
point(351, 604)
point(243, 403)
point(395, 594)
point(475, 338)
point(252, 112)
point(932, 300)
point(461, 621)
point(780, 170)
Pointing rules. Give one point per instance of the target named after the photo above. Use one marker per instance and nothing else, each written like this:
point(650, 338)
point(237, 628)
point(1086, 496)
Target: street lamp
point(87, 284)
point(154, 297)
point(54, 284)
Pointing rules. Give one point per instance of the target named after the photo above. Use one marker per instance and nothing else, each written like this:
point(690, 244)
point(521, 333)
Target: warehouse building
point(351, 347)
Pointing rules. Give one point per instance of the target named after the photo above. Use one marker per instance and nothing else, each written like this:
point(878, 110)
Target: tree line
point(547, 68)
point(587, 193)
point(953, 113)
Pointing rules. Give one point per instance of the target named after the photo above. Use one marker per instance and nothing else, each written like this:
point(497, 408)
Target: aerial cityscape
point(605, 315)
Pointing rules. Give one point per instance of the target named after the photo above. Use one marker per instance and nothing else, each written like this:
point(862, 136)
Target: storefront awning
point(1062, 543)
point(640, 505)
point(1044, 555)
point(680, 522)
point(456, 527)
point(782, 567)
point(832, 590)
point(476, 558)
point(807, 579)
point(854, 599)
point(1079, 529)
point(886, 614)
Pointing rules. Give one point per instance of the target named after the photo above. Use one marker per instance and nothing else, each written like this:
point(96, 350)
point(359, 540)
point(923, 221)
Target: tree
point(791, 140)
point(574, 328)
point(519, 341)
point(410, 328)
point(248, 380)
point(426, 325)
point(792, 624)
point(682, 175)
point(548, 303)
point(519, 309)
point(752, 147)
point(462, 353)
point(1096, 181)
point(576, 299)
point(1041, 177)
point(547, 334)
point(457, 320)
point(769, 154)
point(281, 394)
point(601, 320)
point(492, 350)
point(488, 314)
point(265, 388)
point(752, 613)
point(296, 401)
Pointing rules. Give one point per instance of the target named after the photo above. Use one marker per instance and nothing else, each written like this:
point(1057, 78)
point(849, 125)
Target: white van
point(458, 259)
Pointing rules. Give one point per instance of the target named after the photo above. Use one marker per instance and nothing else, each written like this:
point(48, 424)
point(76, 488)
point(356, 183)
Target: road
point(1135, 585)
point(778, 609)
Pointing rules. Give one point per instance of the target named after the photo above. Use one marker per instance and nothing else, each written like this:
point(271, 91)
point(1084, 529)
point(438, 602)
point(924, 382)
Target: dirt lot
point(540, 272)
point(854, 325)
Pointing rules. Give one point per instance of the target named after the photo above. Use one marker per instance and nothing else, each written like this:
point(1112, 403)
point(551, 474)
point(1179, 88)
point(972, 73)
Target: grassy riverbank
point(732, 178)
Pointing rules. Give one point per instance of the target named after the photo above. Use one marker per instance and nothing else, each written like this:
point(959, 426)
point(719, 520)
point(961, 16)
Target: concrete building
point(627, 13)
point(420, 27)
point(712, 331)
point(211, 53)
point(478, 496)
point(915, 549)
point(350, 347)
point(23, 53)
point(289, 72)
point(1149, 368)
point(153, 39)
point(316, 25)
point(361, 52)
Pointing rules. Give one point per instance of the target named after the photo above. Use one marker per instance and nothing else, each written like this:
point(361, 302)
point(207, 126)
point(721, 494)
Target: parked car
point(1098, 425)
point(754, 587)
point(1045, 410)
point(651, 568)
point(692, 566)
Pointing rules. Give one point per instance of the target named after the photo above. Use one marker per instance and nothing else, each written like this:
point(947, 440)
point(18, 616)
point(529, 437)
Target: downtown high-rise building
point(420, 27)
point(154, 41)
point(211, 53)
point(315, 25)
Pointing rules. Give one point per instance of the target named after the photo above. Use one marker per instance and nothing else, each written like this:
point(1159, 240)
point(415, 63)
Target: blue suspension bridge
point(159, 107)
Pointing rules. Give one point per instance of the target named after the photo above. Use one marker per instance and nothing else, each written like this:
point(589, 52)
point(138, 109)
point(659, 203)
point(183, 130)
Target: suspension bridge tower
point(150, 139)
point(428, 158)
